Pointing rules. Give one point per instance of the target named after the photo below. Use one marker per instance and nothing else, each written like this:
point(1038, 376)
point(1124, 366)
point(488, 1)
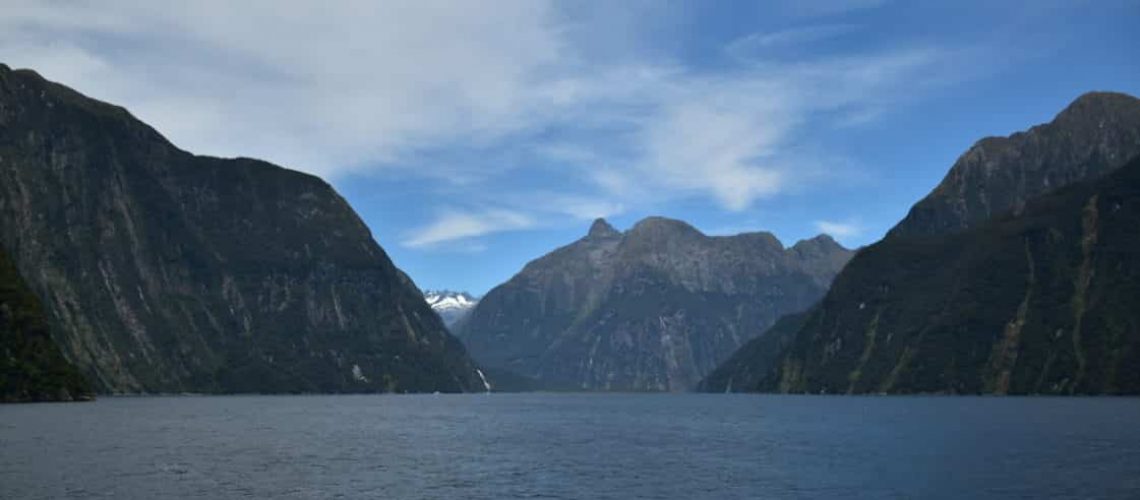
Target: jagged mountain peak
point(451, 306)
point(655, 309)
point(601, 229)
point(820, 243)
point(449, 299)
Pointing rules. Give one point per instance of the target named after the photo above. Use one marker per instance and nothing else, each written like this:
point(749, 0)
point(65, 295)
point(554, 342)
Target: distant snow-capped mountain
point(451, 306)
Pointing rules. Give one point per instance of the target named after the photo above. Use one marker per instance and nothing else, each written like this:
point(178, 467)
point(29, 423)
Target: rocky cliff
point(1040, 298)
point(1091, 137)
point(654, 308)
point(31, 366)
point(162, 271)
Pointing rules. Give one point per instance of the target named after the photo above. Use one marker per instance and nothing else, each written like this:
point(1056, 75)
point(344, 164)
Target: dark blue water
point(587, 446)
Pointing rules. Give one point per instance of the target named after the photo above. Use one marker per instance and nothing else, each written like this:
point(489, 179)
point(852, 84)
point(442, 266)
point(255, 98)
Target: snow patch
point(447, 300)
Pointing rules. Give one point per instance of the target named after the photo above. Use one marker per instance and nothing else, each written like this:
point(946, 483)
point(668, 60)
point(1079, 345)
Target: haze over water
point(572, 446)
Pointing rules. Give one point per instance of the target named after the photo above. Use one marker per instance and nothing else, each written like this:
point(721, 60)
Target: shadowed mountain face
point(31, 367)
point(161, 271)
point(1042, 298)
point(654, 308)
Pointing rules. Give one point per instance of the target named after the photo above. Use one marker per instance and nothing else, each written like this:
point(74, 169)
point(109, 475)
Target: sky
point(473, 137)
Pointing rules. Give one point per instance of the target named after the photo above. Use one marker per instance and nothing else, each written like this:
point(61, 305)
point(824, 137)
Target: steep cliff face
point(1038, 299)
point(31, 367)
point(655, 308)
point(1091, 137)
point(1046, 301)
point(162, 271)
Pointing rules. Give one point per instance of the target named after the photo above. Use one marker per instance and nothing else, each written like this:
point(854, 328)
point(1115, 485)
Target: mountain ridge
point(651, 308)
point(1089, 138)
point(981, 296)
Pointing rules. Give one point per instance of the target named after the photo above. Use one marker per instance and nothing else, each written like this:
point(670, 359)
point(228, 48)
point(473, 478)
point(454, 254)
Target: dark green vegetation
point(161, 271)
point(31, 367)
point(652, 309)
point(1044, 302)
point(1041, 299)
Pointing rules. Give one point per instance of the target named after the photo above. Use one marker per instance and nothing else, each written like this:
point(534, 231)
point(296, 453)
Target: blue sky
point(473, 137)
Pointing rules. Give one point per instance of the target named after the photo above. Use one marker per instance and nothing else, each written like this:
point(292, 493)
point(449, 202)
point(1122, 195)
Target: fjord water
point(617, 446)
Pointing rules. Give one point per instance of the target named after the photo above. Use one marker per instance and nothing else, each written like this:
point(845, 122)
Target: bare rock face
point(1091, 137)
point(654, 308)
point(162, 271)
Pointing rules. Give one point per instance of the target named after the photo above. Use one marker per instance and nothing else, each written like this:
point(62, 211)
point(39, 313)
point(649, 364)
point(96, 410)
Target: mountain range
point(1018, 274)
point(130, 266)
point(654, 308)
point(160, 271)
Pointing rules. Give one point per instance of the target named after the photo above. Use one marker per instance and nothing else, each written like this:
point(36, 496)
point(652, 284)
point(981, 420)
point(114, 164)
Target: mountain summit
point(1091, 137)
point(654, 308)
point(601, 229)
point(451, 306)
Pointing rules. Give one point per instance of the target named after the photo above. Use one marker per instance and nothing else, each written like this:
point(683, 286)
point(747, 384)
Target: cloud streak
point(755, 43)
point(734, 137)
point(453, 225)
point(321, 88)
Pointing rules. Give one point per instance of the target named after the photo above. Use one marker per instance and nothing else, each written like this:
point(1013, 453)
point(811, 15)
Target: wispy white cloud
point(455, 225)
point(709, 142)
point(582, 207)
point(733, 137)
point(323, 88)
point(360, 87)
point(839, 230)
point(756, 43)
